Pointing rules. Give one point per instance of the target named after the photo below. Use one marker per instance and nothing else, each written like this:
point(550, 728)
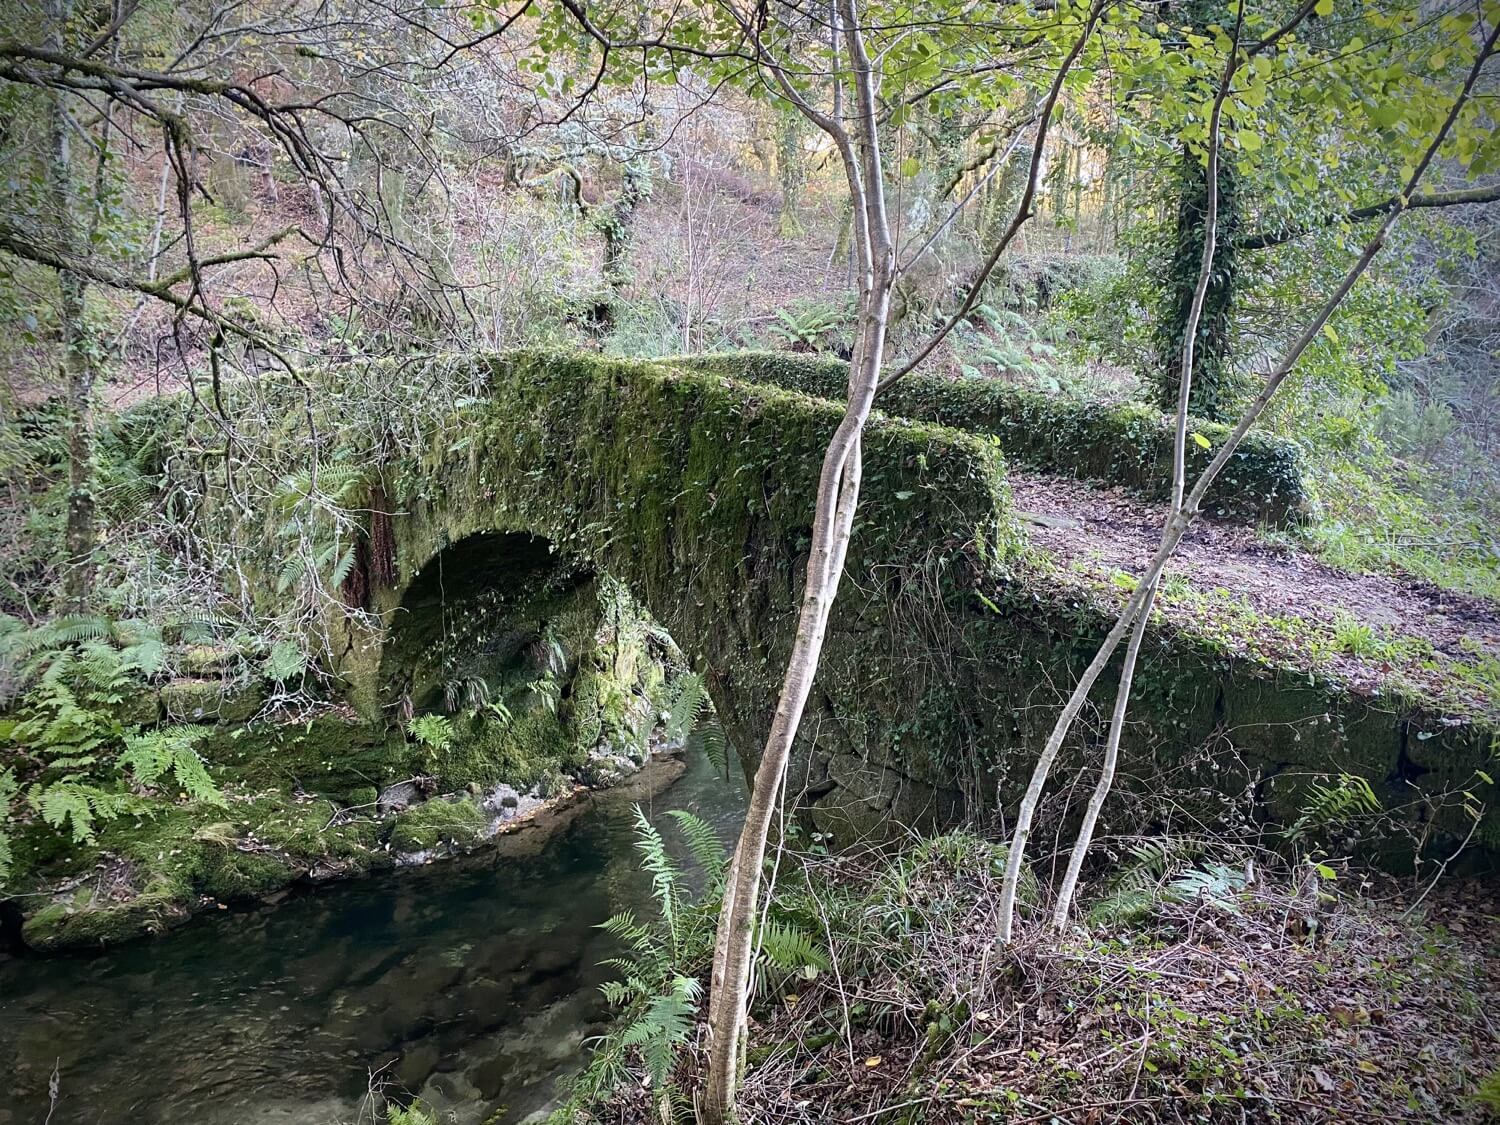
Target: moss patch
point(436, 822)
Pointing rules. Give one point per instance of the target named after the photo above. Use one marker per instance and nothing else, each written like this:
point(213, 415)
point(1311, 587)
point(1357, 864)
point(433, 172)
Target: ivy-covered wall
point(1128, 444)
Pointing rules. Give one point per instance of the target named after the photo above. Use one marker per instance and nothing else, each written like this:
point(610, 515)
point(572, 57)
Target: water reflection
point(474, 986)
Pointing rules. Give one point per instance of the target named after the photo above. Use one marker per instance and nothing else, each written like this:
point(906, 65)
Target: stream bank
point(472, 983)
point(512, 711)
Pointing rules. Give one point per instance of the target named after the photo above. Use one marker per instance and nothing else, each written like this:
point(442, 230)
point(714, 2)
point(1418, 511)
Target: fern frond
point(128, 499)
point(665, 878)
point(624, 928)
point(284, 662)
point(152, 755)
point(703, 842)
point(791, 948)
point(342, 567)
point(689, 700)
point(709, 738)
point(1333, 805)
point(291, 573)
point(72, 629)
point(77, 806)
point(338, 483)
point(1141, 883)
point(663, 1027)
point(1219, 884)
point(148, 657)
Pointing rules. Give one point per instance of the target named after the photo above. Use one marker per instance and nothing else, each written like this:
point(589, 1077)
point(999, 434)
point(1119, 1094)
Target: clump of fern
point(657, 987)
point(1144, 879)
point(1336, 805)
point(661, 971)
point(73, 764)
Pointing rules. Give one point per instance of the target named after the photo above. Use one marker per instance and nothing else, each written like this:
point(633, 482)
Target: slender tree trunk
point(837, 497)
point(76, 367)
point(833, 520)
point(1179, 484)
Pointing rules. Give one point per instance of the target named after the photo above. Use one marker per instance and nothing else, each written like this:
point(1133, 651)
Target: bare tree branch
point(1264, 240)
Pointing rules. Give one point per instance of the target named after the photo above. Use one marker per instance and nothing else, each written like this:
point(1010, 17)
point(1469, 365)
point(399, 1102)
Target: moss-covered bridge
point(690, 482)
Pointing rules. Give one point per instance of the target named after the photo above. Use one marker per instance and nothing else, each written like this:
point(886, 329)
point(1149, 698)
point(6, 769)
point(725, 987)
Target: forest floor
point(1212, 1015)
point(1292, 999)
point(1264, 595)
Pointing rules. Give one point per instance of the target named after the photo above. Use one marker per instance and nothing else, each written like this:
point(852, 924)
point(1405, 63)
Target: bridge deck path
point(1097, 530)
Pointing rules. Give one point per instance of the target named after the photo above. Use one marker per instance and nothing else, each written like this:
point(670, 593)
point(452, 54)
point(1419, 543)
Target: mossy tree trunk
point(791, 170)
point(76, 366)
point(1213, 385)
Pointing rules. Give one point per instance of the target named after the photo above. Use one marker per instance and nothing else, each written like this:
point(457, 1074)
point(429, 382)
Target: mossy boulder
point(82, 924)
point(439, 821)
point(327, 754)
point(141, 706)
point(230, 875)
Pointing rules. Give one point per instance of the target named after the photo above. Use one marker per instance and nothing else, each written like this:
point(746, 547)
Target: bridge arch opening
point(542, 669)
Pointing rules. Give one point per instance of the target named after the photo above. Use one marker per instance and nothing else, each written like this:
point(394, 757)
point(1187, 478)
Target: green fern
point(342, 567)
point(78, 807)
point(465, 692)
point(152, 755)
point(340, 484)
point(689, 701)
point(666, 880)
point(656, 988)
point(624, 927)
point(434, 732)
point(284, 662)
point(73, 629)
point(414, 1114)
point(147, 656)
point(128, 498)
point(1141, 882)
point(9, 787)
point(703, 842)
point(690, 719)
point(292, 571)
point(1217, 884)
point(708, 738)
point(791, 949)
point(663, 1027)
point(199, 626)
point(1332, 806)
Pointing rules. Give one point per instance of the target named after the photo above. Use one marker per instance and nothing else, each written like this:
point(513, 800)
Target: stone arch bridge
point(954, 637)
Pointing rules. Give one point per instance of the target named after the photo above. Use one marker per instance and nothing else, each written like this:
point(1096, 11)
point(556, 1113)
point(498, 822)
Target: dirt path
point(1099, 530)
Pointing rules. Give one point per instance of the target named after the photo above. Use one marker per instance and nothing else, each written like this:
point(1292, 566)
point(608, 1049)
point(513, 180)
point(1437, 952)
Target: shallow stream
point(473, 983)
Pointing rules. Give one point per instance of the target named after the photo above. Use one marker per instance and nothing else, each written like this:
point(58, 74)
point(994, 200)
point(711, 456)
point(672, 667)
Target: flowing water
point(472, 983)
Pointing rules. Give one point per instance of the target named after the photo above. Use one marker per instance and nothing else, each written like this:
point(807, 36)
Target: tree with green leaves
point(1444, 118)
point(1331, 114)
point(846, 72)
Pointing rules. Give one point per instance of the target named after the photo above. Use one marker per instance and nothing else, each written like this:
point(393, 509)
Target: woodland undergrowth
point(1208, 981)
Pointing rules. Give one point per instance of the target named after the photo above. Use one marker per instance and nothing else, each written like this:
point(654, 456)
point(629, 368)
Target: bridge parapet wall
point(1121, 443)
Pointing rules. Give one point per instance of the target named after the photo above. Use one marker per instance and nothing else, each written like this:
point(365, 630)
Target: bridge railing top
point(1129, 444)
